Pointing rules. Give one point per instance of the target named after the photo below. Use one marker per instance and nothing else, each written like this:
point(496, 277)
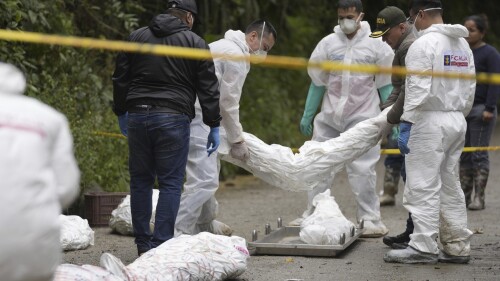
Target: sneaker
point(398, 239)
point(374, 229)
point(217, 227)
point(410, 256)
point(445, 258)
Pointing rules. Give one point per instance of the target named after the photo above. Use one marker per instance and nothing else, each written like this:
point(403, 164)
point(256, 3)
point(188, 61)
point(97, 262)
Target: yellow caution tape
point(111, 135)
point(190, 53)
point(466, 149)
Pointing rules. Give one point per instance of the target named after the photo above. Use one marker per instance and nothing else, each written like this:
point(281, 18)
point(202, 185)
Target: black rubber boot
point(466, 181)
point(480, 181)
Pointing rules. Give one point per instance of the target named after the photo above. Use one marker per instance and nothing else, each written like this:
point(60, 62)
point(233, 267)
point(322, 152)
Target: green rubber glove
point(314, 98)
point(385, 92)
point(395, 133)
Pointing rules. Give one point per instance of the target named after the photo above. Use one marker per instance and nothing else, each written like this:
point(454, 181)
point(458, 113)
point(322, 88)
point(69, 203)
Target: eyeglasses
point(411, 20)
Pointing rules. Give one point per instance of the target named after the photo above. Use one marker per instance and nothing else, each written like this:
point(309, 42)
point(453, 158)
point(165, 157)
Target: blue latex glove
point(404, 136)
point(385, 92)
point(395, 133)
point(314, 98)
point(123, 123)
point(213, 140)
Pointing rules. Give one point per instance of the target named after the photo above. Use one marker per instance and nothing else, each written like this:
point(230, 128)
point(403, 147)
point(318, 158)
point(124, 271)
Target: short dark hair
point(417, 5)
point(346, 4)
point(257, 27)
point(481, 22)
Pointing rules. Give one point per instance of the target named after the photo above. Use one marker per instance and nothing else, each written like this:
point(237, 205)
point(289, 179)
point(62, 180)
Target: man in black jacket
point(154, 100)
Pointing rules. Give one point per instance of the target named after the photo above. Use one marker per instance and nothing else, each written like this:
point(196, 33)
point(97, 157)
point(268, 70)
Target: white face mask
point(349, 26)
point(260, 53)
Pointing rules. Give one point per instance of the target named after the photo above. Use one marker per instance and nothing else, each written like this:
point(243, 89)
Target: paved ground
point(246, 203)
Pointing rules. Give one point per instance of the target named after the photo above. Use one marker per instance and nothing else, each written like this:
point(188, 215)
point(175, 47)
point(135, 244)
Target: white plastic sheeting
point(326, 224)
point(279, 166)
point(76, 233)
point(204, 256)
point(121, 218)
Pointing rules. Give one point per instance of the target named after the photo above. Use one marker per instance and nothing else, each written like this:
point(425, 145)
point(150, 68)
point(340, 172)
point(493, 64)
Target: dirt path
point(247, 203)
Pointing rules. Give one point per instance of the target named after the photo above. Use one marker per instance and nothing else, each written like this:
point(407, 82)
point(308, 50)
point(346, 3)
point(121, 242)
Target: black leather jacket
point(166, 81)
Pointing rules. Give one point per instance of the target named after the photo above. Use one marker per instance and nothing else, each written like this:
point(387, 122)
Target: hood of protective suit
point(451, 30)
point(365, 28)
point(12, 80)
point(238, 38)
point(164, 24)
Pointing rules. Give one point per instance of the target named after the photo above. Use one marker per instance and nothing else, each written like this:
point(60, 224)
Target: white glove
point(239, 151)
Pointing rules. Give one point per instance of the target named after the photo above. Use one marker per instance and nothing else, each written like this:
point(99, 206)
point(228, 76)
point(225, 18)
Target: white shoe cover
point(216, 227)
point(374, 229)
point(410, 256)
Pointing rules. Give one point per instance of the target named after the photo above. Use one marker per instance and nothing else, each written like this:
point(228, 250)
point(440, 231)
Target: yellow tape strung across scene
point(190, 53)
point(466, 149)
point(111, 135)
point(276, 61)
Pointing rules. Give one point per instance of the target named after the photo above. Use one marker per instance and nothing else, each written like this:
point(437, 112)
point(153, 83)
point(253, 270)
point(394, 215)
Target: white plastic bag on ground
point(121, 218)
point(76, 233)
point(71, 272)
point(327, 223)
point(204, 256)
point(279, 166)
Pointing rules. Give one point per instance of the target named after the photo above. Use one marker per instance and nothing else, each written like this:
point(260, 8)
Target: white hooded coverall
point(436, 107)
point(38, 177)
point(198, 204)
point(349, 99)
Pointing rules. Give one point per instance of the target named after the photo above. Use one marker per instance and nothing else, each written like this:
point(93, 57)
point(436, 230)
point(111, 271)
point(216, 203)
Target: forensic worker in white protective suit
point(350, 98)
point(432, 135)
point(38, 177)
point(198, 208)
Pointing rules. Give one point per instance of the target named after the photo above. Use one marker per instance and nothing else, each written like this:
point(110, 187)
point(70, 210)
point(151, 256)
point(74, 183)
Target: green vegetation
point(78, 82)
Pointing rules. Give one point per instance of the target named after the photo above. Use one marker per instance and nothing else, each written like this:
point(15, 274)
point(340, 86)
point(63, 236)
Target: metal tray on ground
point(285, 241)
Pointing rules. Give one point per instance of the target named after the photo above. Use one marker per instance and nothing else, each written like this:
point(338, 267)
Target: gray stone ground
point(247, 203)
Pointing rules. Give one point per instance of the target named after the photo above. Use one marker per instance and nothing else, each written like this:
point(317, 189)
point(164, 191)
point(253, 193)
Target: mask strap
point(262, 35)
point(431, 9)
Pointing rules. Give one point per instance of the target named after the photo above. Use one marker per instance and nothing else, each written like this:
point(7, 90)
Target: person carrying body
point(348, 98)
point(198, 207)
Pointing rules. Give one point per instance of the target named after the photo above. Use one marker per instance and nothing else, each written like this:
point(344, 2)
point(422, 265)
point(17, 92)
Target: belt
point(142, 108)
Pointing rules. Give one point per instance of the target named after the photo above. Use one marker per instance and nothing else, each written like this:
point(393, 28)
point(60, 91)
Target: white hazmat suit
point(349, 99)
point(436, 107)
point(39, 176)
point(198, 207)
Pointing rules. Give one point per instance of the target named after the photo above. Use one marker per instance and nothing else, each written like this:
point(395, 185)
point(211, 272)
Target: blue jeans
point(158, 149)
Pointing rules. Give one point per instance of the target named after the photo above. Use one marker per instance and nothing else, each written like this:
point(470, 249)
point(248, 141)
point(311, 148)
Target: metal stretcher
point(285, 241)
